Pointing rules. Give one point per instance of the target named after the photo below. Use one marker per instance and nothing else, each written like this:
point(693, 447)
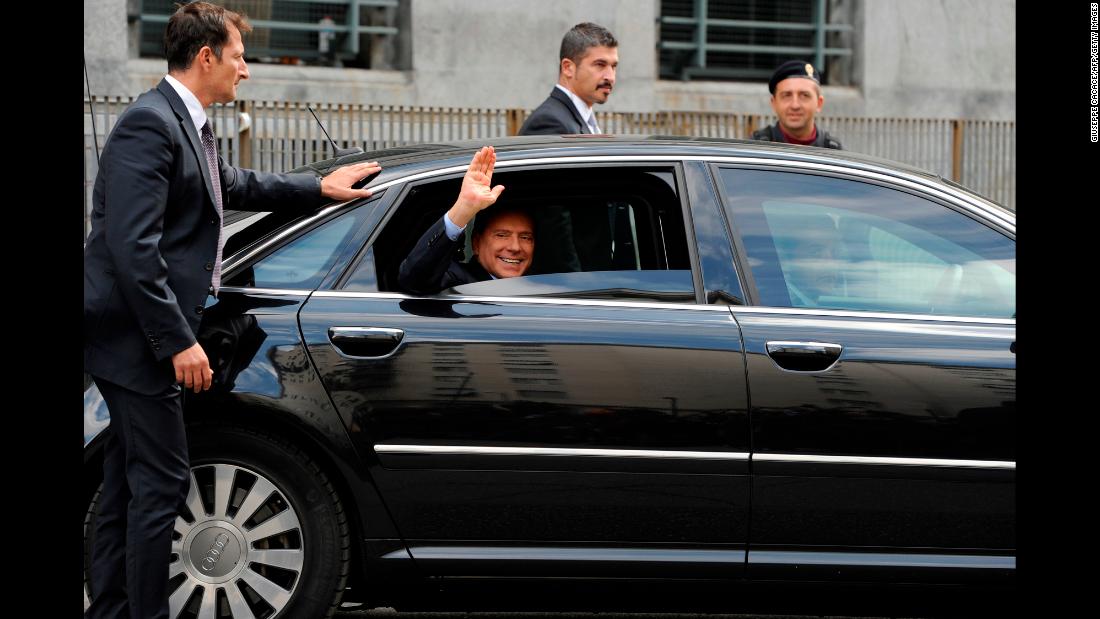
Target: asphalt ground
point(389, 613)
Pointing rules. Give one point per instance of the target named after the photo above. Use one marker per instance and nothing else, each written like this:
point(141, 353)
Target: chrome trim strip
point(758, 557)
point(875, 460)
point(789, 346)
point(455, 450)
point(278, 291)
point(791, 311)
point(365, 331)
point(538, 300)
point(340, 294)
point(396, 336)
point(544, 553)
point(875, 172)
point(869, 559)
point(466, 450)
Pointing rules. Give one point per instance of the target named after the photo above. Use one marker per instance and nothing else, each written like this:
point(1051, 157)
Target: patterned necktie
point(592, 126)
point(211, 150)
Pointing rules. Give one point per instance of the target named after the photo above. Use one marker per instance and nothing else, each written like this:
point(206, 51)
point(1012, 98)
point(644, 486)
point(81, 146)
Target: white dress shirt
point(198, 115)
point(585, 110)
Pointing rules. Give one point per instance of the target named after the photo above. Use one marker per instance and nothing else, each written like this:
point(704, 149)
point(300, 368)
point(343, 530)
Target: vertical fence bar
point(991, 157)
point(244, 137)
point(956, 150)
point(1010, 199)
point(983, 163)
point(358, 111)
point(997, 164)
point(513, 116)
point(386, 118)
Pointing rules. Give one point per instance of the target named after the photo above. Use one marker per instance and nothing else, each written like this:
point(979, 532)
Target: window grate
point(711, 39)
point(356, 33)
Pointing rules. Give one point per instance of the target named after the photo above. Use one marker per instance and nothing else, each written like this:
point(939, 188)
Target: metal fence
point(277, 136)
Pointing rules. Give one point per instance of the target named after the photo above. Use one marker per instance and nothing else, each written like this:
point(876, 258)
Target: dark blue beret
point(793, 68)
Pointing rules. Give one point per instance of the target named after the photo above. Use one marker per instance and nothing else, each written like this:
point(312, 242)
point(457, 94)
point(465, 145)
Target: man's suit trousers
point(147, 477)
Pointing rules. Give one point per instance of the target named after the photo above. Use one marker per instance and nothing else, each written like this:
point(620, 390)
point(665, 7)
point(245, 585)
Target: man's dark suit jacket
point(149, 259)
point(431, 267)
point(772, 133)
point(556, 116)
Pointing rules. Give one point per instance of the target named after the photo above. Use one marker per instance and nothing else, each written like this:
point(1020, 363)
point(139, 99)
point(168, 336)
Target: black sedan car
point(730, 364)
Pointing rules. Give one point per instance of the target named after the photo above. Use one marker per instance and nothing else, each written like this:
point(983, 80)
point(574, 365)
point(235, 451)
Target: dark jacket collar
point(564, 98)
point(478, 272)
point(188, 126)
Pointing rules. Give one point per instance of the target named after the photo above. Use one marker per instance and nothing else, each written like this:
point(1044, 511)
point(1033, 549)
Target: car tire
point(278, 546)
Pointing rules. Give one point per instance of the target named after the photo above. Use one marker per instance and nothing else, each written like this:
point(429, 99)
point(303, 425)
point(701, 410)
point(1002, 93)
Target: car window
point(591, 225)
point(822, 242)
point(673, 286)
point(303, 262)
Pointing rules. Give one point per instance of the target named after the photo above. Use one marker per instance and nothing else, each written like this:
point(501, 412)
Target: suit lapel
point(188, 127)
point(565, 100)
point(475, 271)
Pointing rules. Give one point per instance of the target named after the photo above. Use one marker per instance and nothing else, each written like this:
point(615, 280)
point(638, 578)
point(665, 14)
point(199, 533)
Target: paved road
point(389, 613)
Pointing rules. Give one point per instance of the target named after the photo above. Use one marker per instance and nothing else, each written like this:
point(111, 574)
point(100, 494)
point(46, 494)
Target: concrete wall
point(918, 58)
point(940, 58)
point(105, 46)
point(474, 54)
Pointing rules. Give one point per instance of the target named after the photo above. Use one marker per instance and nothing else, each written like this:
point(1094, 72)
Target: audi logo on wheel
point(215, 552)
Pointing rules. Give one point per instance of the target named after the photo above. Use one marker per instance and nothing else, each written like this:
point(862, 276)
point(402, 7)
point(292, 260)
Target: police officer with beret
point(796, 99)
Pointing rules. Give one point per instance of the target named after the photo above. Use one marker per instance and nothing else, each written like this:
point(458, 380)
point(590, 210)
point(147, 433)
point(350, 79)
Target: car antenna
point(91, 108)
point(338, 152)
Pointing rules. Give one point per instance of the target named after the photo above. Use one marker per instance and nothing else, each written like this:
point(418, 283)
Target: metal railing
point(277, 136)
point(284, 135)
point(700, 34)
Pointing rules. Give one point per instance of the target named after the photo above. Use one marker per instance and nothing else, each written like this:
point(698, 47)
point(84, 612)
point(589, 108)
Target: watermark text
point(1094, 95)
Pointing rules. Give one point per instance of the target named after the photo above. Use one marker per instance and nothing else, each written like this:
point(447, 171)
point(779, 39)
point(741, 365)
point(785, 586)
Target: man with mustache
point(587, 63)
point(503, 239)
point(796, 99)
point(579, 238)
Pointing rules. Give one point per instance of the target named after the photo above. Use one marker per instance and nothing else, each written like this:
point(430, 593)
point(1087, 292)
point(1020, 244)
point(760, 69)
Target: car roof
point(518, 147)
point(401, 160)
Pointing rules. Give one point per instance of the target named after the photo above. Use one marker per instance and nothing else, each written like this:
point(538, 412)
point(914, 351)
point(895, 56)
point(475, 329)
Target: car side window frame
point(722, 277)
point(270, 244)
point(672, 165)
point(377, 224)
point(741, 254)
point(361, 247)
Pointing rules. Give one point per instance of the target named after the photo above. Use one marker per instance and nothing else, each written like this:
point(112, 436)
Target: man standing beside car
point(796, 100)
point(587, 62)
point(151, 259)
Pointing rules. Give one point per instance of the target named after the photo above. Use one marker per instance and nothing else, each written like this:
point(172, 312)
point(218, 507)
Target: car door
point(579, 423)
point(880, 347)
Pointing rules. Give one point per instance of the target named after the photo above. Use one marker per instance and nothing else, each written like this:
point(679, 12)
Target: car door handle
point(365, 342)
point(804, 356)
